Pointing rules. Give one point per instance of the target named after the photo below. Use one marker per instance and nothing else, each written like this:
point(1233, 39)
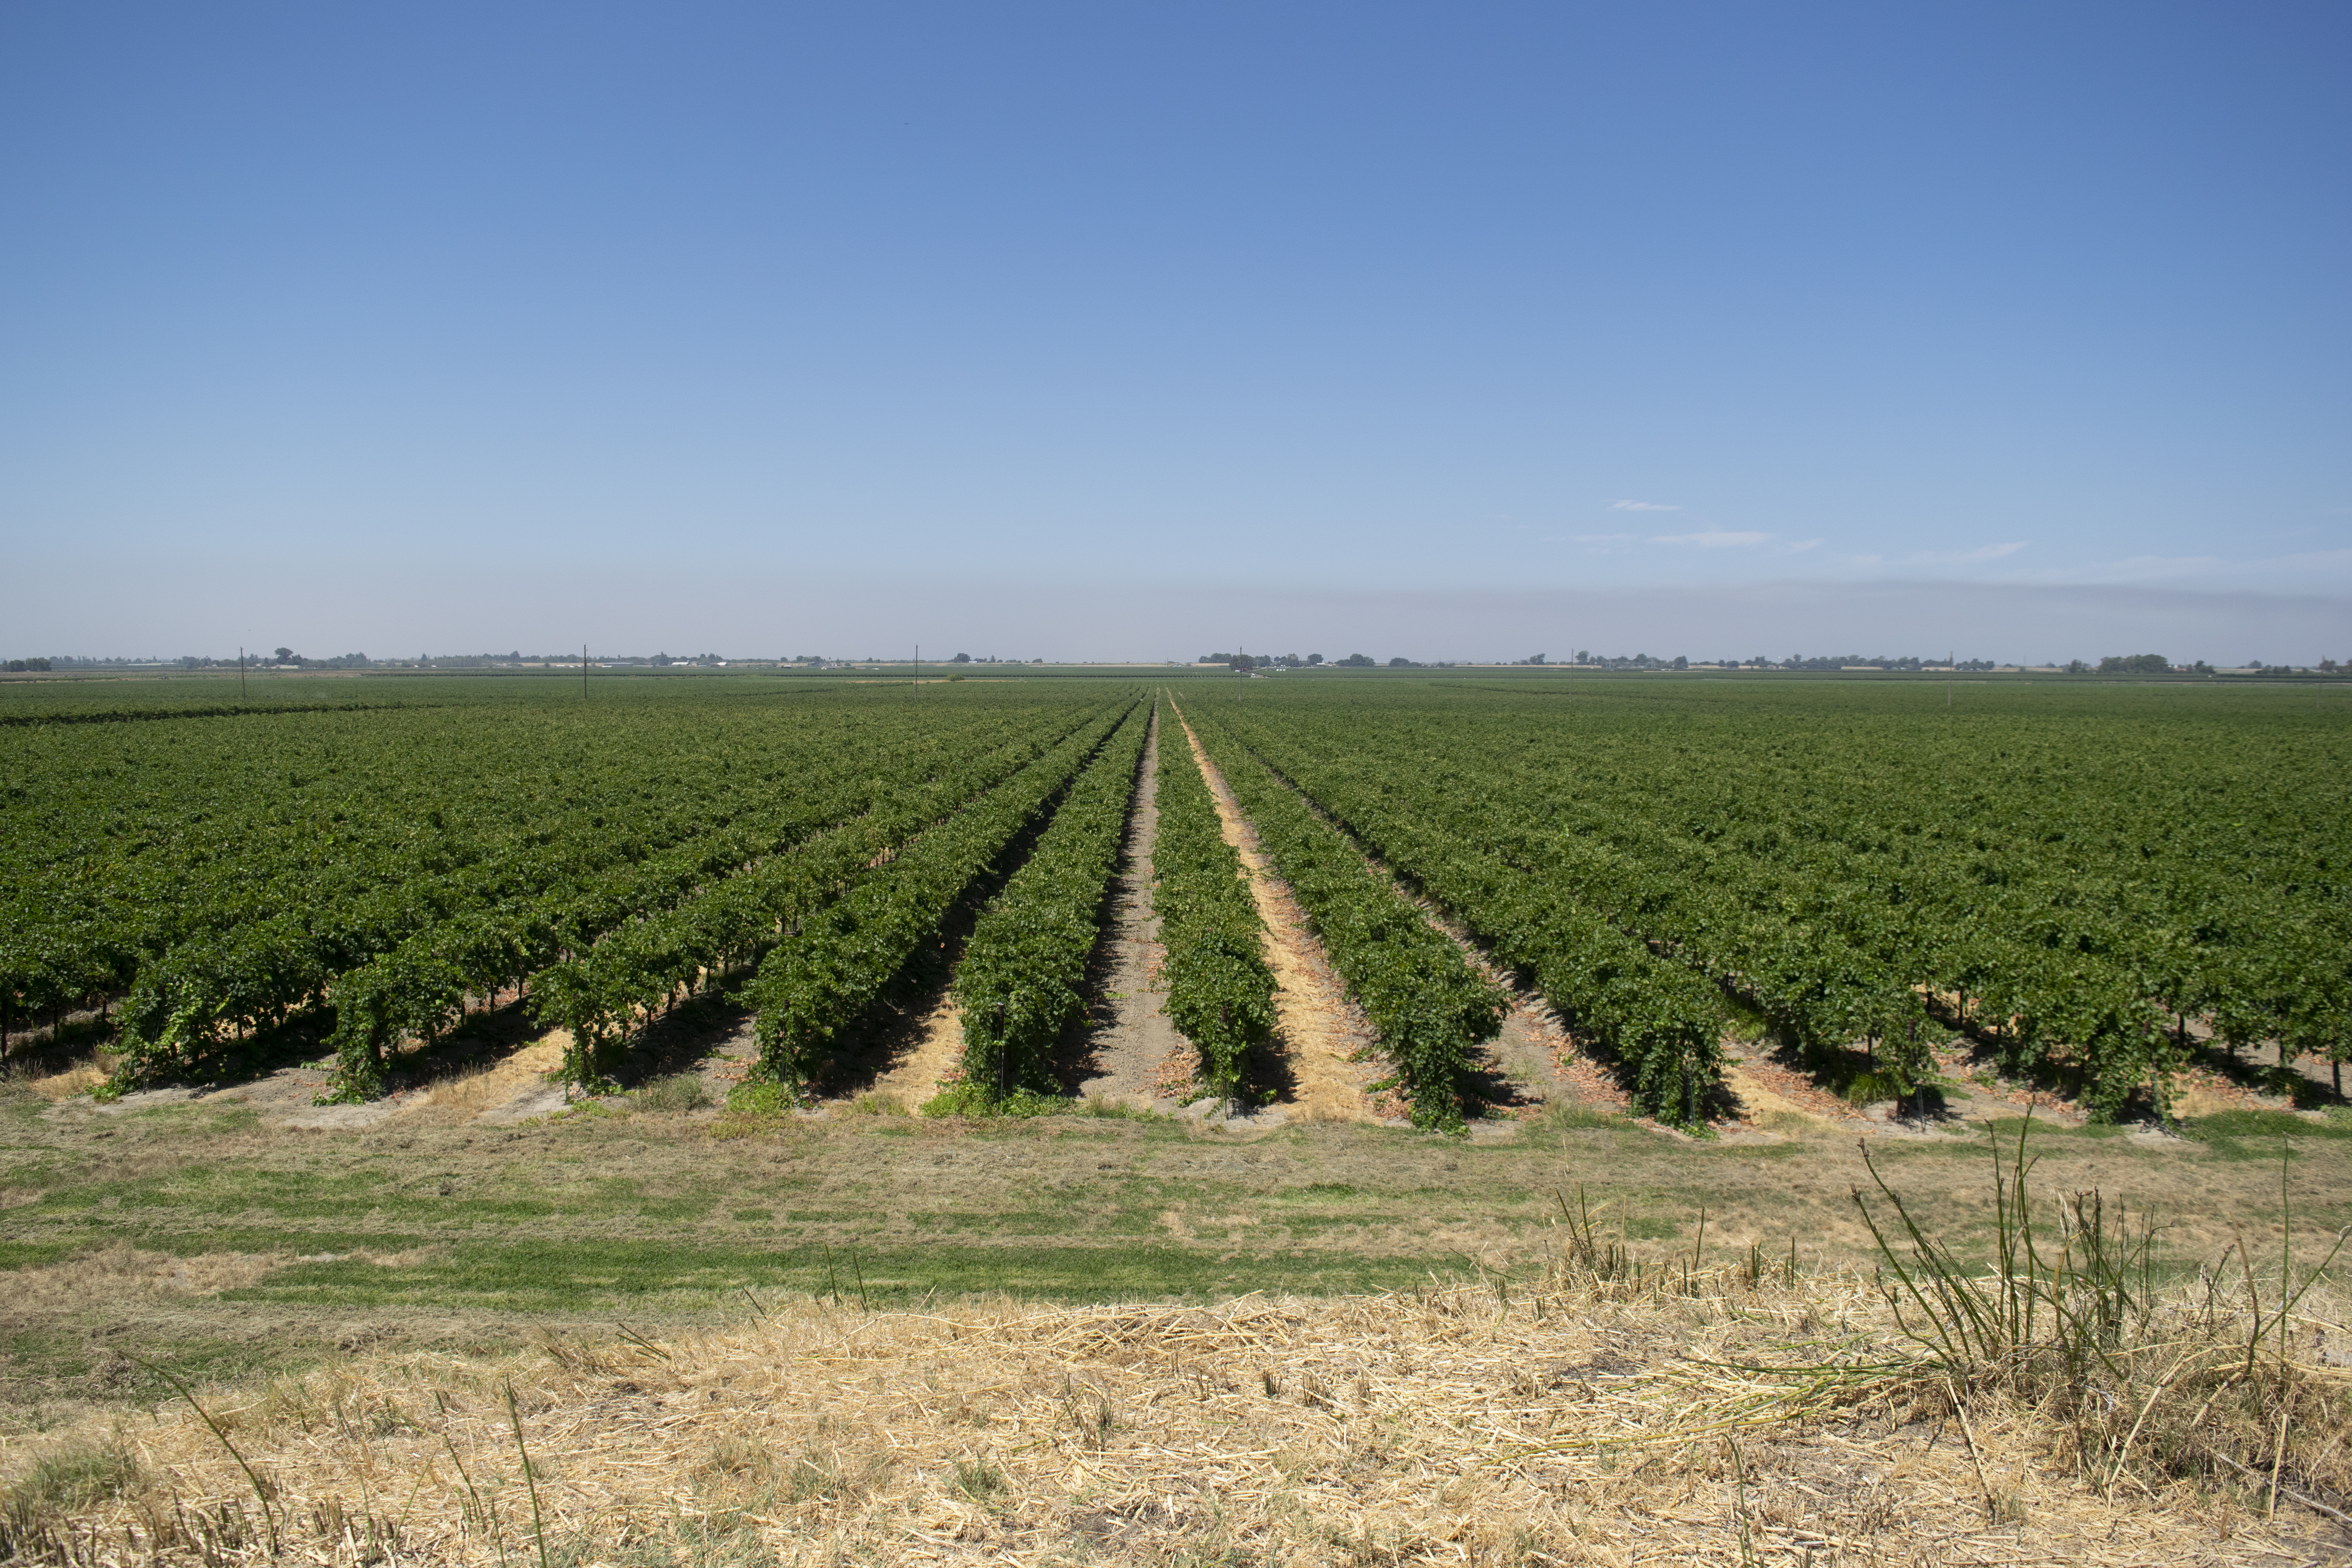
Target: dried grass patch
point(1482, 1424)
point(110, 1271)
point(80, 1078)
point(468, 1093)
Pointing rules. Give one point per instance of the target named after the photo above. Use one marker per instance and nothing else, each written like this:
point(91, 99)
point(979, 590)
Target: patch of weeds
point(2006, 1128)
point(74, 1476)
point(969, 1098)
point(2258, 1134)
point(1749, 1022)
point(34, 1253)
point(678, 1091)
point(878, 1104)
point(1872, 1085)
point(2271, 1124)
point(1569, 1115)
point(980, 1481)
point(198, 1118)
point(815, 1476)
point(2072, 1316)
point(603, 1274)
point(759, 1099)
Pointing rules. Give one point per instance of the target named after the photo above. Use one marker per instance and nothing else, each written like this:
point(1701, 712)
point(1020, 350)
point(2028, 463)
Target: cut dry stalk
point(1976, 1455)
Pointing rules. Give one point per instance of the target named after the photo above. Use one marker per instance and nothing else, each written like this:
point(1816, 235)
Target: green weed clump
point(37, 1510)
point(2073, 1318)
point(678, 1091)
point(1873, 1084)
point(970, 1098)
point(754, 1098)
point(72, 1477)
point(978, 1479)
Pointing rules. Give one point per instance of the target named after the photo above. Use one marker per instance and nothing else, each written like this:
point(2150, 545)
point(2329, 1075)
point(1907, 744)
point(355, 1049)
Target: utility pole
point(918, 683)
point(583, 672)
point(240, 672)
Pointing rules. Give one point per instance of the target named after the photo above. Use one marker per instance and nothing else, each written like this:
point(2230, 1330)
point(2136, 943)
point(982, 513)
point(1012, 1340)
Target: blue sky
point(1131, 331)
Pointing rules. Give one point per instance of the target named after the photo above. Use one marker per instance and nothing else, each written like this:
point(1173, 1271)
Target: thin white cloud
point(1605, 538)
point(1642, 506)
point(1715, 539)
point(1796, 546)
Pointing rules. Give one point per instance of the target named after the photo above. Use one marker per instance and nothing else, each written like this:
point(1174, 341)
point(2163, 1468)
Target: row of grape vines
point(126, 846)
point(598, 969)
point(218, 875)
point(1847, 910)
point(1220, 990)
point(406, 958)
point(1021, 982)
point(826, 972)
point(1432, 1010)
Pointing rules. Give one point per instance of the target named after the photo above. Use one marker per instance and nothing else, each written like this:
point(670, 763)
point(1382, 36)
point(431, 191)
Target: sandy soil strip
point(1130, 1039)
point(513, 1089)
point(916, 1077)
point(1320, 1029)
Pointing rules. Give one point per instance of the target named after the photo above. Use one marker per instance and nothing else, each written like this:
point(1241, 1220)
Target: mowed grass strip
point(631, 1274)
point(448, 1233)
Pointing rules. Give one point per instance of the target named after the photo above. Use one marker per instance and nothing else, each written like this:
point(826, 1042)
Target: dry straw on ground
point(1584, 1417)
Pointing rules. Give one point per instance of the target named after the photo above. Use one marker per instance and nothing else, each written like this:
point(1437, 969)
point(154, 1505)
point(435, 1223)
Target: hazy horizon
point(1097, 623)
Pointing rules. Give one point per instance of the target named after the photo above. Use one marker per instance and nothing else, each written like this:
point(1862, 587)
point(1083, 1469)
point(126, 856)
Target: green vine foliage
point(1664, 1022)
point(279, 879)
point(2082, 881)
point(529, 925)
point(1432, 1010)
point(1854, 897)
point(818, 980)
point(602, 994)
point(1021, 982)
point(1220, 988)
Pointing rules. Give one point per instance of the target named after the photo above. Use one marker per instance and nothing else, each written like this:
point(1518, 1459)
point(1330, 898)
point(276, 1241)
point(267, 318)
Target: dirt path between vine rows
point(1531, 1062)
point(1132, 1053)
point(916, 1077)
point(1320, 1029)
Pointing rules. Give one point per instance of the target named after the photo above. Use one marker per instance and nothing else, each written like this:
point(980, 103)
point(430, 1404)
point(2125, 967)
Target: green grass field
point(197, 1237)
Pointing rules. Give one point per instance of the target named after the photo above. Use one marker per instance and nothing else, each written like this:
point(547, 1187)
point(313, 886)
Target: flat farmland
point(444, 1020)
